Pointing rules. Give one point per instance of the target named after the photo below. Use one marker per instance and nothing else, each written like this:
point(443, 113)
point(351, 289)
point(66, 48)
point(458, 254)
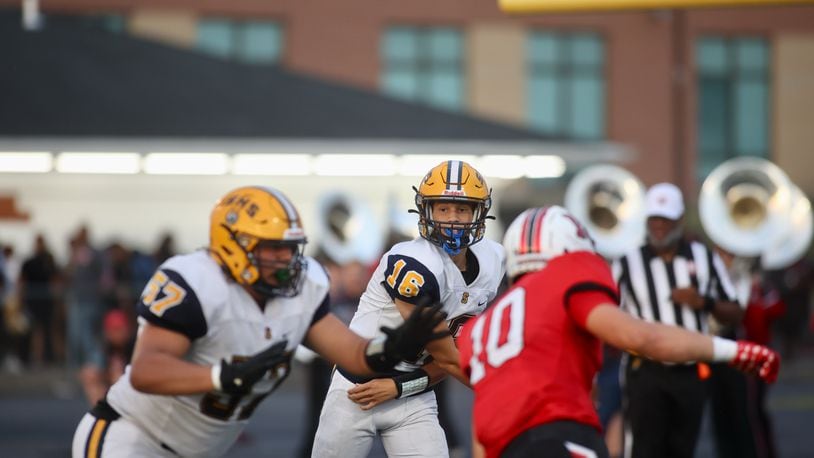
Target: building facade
point(685, 89)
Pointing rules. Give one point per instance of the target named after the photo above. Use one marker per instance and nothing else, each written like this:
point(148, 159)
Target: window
point(733, 100)
point(254, 42)
point(424, 64)
point(112, 22)
point(566, 84)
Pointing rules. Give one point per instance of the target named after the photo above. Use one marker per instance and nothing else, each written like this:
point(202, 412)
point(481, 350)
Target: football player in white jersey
point(450, 263)
point(217, 329)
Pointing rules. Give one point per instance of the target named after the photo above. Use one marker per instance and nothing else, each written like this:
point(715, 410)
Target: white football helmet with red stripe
point(540, 234)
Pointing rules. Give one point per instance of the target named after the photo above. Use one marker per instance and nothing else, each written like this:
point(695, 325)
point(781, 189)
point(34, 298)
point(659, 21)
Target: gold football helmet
point(247, 218)
point(454, 181)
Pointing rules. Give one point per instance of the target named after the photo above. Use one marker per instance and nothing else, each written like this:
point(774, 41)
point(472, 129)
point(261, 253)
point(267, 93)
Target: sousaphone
point(347, 229)
point(749, 207)
point(609, 201)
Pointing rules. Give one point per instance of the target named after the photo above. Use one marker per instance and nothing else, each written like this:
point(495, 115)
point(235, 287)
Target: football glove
point(406, 341)
point(238, 377)
point(755, 359)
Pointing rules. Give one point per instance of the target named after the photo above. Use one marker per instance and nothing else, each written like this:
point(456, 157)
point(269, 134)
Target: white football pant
point(409, 427)
point(119, 438)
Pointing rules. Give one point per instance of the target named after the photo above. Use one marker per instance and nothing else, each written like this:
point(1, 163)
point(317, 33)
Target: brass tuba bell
point(609, 201)
point(348, 230)
point(749, 207)
point(793, 241)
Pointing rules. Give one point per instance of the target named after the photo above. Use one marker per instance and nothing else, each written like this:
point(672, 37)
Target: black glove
point(407, 340)
point(238, 377)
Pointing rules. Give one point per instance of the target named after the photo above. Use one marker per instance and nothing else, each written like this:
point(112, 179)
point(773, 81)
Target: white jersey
point(191, 295)
point(416, 269)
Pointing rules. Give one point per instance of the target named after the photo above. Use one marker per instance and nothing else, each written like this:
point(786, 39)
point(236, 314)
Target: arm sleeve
point(582, 302)
point(409, 280)
point(173, 305)
point(591, 283)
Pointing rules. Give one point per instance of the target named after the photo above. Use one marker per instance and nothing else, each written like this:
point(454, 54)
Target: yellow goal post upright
point(572, 6)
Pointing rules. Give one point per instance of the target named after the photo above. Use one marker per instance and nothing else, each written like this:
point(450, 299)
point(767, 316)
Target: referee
point(676, 282)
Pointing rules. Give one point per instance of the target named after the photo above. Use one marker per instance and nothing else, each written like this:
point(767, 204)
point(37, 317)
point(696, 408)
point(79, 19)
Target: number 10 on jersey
point(497, 353)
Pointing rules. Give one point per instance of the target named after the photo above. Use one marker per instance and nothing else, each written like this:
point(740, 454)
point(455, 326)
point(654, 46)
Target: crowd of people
point(79, 314)
point(524, 324)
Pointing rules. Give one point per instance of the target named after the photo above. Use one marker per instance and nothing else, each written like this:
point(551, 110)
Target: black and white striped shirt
point(646, 281)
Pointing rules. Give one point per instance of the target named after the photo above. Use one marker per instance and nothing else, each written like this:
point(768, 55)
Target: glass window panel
point(567, 84)
point(400, 44)
point(712, 123)
point(750, 118)
point(215, 36)
point(733, 117)
point(587, 108)
point(445, 90)
point(711, 56)
point(751, 54)
point(444, 44)
point(424, 64)
point(543, 103)
point(402, 84)
point(403, 66)
point(706, 164)
point(586, 50)
point(261, 42)
point(543, 48)
point(113, 23)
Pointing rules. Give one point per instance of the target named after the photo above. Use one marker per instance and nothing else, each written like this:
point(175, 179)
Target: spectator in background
point(119, 340)
point(12, 268)
point(166, 249)
point(37, 291)
point(740, 418)
point(84, 314)
point(117, 343)
point(765, 306)
point(15, 322)
point(142, 266)
point(117, 289)
point(5, 336)
point(727, 386)
point(794, 283)
point(609, 399)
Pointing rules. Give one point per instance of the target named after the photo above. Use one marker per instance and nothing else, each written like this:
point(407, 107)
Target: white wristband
point(723, 350)
point(216, 377)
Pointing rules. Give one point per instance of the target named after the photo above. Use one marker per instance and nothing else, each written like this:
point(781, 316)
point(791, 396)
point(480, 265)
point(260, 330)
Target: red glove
point(755, 359)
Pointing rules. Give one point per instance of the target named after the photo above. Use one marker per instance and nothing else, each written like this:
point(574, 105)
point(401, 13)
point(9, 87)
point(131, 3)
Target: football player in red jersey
point(531, 358)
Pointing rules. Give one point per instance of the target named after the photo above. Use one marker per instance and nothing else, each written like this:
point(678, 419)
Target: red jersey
point(762, 310)
point(529, 358)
